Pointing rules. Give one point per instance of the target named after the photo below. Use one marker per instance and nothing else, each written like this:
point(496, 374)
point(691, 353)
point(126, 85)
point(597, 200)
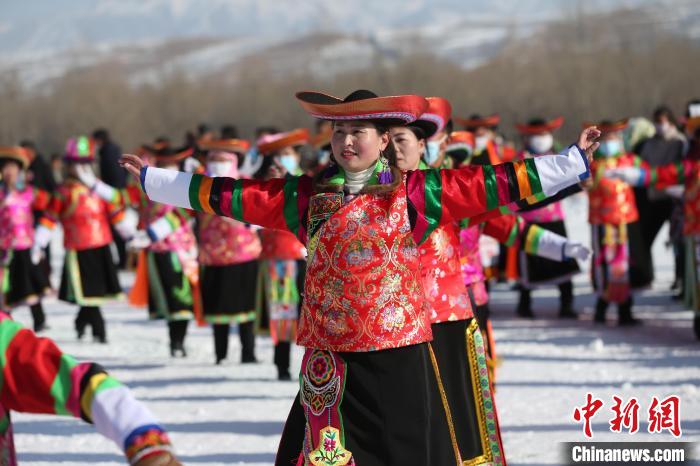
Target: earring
point(385, 175)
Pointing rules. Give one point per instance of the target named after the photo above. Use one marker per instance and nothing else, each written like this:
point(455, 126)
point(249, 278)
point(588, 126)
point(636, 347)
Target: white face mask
point(541, 143)
point(324, 156)
point(480, 142)
point(432, 152)
point(664, 129)
point(220, 168)
point(289, 162)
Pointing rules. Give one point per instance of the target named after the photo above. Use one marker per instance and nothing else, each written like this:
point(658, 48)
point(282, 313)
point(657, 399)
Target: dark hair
point(537, 122)
point(449, 127)
point(418, 132)
point(101, 134)
point(264, 167)
point(664, 110)
point(261, 130)
point(27, 144)
point(202, 129)
point(229, 132)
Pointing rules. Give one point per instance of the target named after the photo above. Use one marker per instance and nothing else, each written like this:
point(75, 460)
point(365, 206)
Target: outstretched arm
point(442, 196)
point(276, 203)
point(38, 378)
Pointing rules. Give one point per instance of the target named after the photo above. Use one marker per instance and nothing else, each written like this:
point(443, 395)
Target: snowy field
point(233, 414)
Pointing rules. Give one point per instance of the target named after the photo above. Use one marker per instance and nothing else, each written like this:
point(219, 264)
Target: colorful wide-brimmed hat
point(477, 121)
point(539, 126)
point(272, 143)
point(364, 105)
point(436, 116)
point(15, 153)
point(460, 144)
point(80, 149)
point(238, 146)
point(162, 151)
point(607, 126)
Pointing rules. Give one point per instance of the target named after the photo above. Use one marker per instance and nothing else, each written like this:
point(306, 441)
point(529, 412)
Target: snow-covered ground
point(233, 414)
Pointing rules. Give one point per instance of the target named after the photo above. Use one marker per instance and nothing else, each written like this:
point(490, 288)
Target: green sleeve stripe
point(433, 200)
point(291, 207)
point(491, 187)
point(8, 330)
point(61, 386)
point(237, 200)
point(681, 172)
point(195, 183)
point(533, 177)
point(513, 234)
point(107, 383)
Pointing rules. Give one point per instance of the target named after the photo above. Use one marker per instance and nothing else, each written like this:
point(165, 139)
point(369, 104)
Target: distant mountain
point(43, 39)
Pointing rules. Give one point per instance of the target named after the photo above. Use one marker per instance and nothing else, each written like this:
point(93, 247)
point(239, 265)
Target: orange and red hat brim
point(403, 108)
point(292, 138)
point(547, 127)
point(239, 146)
point(16, 153)
point(608, 127)
point(436, 116)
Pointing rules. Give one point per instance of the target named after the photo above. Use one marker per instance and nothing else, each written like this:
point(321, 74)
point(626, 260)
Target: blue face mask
point(610, 148)
point(432, 152)
point(289, 162)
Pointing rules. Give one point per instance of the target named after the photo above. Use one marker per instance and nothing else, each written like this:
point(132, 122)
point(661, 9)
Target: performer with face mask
point(21, 281)
point(621, 262)
point(89, 275)
point(282, 261)
point(535, 272)
point(684, 175)
point(228, 258)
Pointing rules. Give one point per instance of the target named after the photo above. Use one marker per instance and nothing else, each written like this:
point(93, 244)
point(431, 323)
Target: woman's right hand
point(132, 163)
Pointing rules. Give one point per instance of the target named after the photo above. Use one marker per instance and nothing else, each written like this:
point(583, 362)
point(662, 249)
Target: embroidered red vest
point(363, 290)
point(611, 201)
point(85, 218)
point(442, 276)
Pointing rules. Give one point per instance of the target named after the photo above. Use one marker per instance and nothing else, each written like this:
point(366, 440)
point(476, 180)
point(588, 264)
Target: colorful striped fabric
point(36, 377)
point(671, 174)
point(439, 196)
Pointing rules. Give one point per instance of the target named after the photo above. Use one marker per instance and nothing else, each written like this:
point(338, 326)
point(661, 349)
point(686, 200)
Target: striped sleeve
point(544, 243)
point(38, 378)
point(277, 203)
point(443, 196)
point(671, 174)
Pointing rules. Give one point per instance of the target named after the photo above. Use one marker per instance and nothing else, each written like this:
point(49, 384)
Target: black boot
point(625, 317)
point(81, 321)
point(282, 350)
point(99, 331)
point(38, 317)
point(221, 341)
point(566, 301)
point(246, 332)
point(525, 304)
point(177, 330)
point(601, 306)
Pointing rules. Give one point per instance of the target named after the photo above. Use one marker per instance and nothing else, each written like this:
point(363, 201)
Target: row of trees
point(612, 74)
